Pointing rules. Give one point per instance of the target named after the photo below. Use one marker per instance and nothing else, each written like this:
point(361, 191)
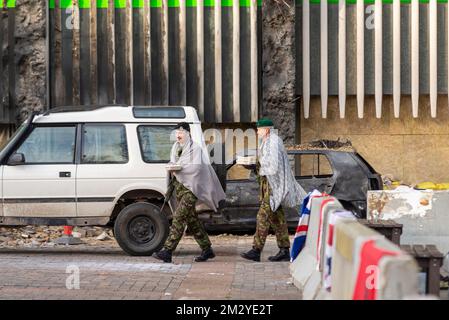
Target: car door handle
point(65, 174)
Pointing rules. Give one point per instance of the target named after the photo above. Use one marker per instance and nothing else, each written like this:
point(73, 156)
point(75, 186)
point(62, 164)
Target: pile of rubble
point(44, 236)
point(323, 144)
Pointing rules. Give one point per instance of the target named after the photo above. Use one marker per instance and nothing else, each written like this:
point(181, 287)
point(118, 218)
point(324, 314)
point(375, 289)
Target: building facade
point(374, 72)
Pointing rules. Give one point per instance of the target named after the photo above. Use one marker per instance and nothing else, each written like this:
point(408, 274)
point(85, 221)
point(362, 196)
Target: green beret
point(265, 122)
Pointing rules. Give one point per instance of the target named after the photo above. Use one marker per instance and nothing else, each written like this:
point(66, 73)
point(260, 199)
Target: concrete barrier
point(397, 275)
point(307, 267)
point(423, 214)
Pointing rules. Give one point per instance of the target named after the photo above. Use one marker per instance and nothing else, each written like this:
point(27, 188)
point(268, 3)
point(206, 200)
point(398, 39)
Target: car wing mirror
point(16, 159)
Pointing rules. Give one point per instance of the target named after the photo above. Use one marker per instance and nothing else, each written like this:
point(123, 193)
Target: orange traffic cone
point(68, 238)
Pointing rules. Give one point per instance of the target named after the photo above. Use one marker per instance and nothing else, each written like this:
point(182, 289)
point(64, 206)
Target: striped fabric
point(329, 246)
point(367, 281)
point(303, 225)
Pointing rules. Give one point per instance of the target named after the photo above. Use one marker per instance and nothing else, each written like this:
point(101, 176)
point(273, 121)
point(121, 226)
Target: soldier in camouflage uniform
point(185, 215)
point(266, 218)
point(271, 213)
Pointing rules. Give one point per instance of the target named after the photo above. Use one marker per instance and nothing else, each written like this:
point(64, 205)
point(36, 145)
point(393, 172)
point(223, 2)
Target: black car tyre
point(140, 229)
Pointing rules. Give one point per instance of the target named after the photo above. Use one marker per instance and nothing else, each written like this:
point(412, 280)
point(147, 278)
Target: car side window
point(104, 144)
point(312, 165)
point(155, 143)
point(49, 145)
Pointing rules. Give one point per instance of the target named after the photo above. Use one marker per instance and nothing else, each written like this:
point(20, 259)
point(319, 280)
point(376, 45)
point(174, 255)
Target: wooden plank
point(434, 252)
point(147, 53)
point(110, 58)
point(177, 54)
point(396, 236)
point(420, 251)
point(236, 61)
point(218, 64)
point(306, 58)
point(67, 54)
point(93, 54)
point(378, 57)
point(407, 249)
point(360, 58)
point(256, 31)
point(12, 68)
point(259, 52)
point(57, 80)
point(156, 56)
point(3, 111)
point(138, 54)
point(164, 52)
point(396, 57)
point(76, 54)
point(200, 58)
point(324, 57)
point(227, 65)
point(433, 277)
point(314, 50)
point(174, 57)
point(209, 64)
point(192, 50)
point(415, 56)
point(102, 52)
point(405, 49)
point(85, 57)
point(182, 51)
point(122, 56)
point(342, 57)
point(433, 72)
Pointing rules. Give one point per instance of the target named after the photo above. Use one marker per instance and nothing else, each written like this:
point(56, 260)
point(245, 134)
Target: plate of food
point(173, 167)
point(246, 161)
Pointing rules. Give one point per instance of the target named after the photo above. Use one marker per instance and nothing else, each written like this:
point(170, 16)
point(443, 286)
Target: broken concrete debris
point(43, 236)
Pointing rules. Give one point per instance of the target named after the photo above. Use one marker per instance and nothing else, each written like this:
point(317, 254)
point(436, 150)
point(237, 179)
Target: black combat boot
point(164, 255)
point(253, 254)
point(283, 255)
point(206, 254)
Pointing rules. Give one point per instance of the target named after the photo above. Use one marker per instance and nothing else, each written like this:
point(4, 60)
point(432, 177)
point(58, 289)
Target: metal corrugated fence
point(378, 48)
point(163, 52)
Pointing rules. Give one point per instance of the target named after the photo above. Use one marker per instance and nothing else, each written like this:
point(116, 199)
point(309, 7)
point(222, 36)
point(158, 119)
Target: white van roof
point(121, 114)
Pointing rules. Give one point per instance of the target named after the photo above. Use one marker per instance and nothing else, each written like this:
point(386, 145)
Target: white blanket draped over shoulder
point(197, 174)
point(274, 164)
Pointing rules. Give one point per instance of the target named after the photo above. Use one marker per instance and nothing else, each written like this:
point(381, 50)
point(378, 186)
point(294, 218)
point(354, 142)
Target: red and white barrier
point(343, 259)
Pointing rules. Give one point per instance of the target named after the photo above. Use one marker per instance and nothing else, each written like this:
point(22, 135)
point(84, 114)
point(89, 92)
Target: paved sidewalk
point(106, 272)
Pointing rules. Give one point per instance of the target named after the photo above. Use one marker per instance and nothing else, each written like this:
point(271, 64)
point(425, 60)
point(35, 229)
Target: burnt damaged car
point(345, 175)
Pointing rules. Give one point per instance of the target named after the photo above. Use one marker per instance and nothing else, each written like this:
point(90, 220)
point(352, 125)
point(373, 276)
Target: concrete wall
point(30, 60)
point(278, 66)
point(411, 150)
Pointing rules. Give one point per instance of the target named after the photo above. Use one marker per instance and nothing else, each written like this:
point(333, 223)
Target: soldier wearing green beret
point(278, 189)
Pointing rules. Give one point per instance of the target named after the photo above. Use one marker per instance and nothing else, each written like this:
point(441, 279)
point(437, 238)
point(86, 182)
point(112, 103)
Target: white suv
point(102, 167)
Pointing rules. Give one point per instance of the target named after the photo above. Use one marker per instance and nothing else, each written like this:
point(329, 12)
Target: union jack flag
point(303, 225)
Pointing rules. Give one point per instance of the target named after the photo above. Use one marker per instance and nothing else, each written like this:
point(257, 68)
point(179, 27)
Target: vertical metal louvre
point(374, 48)
point(202, 53)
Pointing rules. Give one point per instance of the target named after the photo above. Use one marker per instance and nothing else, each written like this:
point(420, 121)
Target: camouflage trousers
point(266, 218)
point(185, 216)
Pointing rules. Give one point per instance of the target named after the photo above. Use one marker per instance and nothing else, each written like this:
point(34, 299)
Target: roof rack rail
point(81, 108)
